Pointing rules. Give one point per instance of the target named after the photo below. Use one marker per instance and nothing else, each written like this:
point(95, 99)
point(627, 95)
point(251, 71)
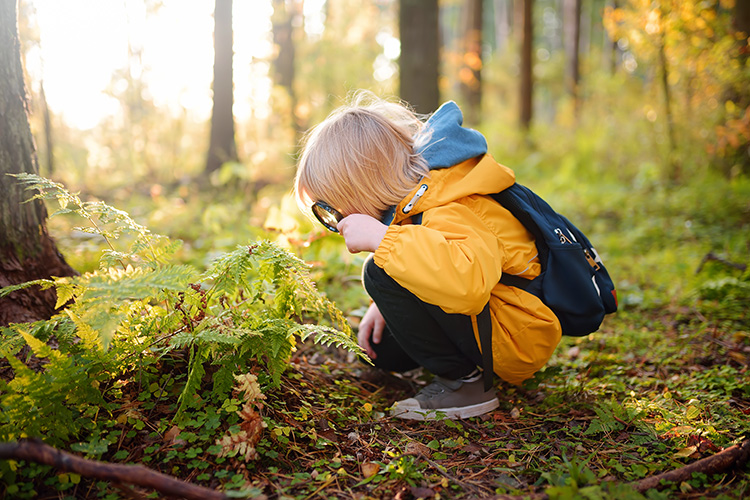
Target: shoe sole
point(440, 413)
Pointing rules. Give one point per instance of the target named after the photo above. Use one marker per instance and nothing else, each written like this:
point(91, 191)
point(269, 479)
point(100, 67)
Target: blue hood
point(448, 143)
point(445, 143)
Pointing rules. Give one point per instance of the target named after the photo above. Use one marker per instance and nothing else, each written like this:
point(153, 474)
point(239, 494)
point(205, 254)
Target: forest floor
point(661, 386)
point(649, 393)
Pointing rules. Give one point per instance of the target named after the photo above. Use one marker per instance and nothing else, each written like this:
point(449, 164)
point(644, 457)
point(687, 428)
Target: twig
point(36, 451)
point(449, 477)
point(736, 455)
point(714, 257)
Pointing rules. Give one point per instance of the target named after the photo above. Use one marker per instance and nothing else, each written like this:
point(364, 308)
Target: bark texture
point(26, 250)
point(222, 146)
point(526, 91)
point(419, 61)
point(36, 451)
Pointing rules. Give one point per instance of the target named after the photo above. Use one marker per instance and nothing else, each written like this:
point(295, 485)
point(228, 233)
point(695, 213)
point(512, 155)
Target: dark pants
point(417, 333)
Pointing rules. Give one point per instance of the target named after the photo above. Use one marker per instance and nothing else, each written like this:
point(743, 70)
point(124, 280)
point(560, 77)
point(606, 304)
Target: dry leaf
point(171, 435)
point(685, 452)
point(416, 448)
point(369, 469)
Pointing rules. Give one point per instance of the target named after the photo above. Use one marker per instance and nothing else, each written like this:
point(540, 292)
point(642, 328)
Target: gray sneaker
point(445, 398)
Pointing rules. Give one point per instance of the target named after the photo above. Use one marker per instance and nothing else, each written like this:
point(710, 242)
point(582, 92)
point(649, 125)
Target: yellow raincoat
point(455, 257)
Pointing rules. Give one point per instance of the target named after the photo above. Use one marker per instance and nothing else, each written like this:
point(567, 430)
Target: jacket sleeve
point(453, 260)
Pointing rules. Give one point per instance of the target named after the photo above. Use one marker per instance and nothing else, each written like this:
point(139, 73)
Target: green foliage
point(138, 310)
point(698, 53)
point(611, 416)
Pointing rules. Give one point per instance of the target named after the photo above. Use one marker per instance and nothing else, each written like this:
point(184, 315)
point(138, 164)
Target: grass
point(652, 391)
point(663, 383)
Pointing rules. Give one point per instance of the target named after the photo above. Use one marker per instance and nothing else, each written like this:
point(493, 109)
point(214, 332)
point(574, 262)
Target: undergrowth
point(243, 377)
point(141, 326)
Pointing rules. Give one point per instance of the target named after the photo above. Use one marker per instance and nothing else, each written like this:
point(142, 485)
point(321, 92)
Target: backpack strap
point(516, 281)
point(509, 199)
point(484, 327)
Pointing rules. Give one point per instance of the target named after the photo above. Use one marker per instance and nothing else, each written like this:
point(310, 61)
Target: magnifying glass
point(327, 215)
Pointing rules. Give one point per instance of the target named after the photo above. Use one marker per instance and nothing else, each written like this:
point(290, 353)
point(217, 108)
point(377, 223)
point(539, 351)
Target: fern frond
point(66, 291)
point(223, 379)
point(44, 284)
point(119, 219)
point(229, 272)
point(114, 284)
point(11, 341)
point(217, 336)
point(606, 420)
point(47, 189)
point(39, 348)
point(196, 371)
point(328, 336)
point(155, 249)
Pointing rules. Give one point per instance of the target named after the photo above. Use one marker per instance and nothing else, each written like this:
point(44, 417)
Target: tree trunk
point(674, 167)
point(471, 68)
point(526, 8)
point(419, 61)
point(503, 13)
point(613, 49)
point(572, 27)
point(284, 17)
point(49, 143)
point(741, 22)
point(26, 250)
point(222, 147)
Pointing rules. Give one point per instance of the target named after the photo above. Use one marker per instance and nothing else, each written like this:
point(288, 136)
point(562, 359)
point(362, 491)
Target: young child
point(371, 171)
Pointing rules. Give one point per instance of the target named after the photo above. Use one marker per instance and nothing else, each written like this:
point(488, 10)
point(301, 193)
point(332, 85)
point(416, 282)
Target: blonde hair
point(362, 158)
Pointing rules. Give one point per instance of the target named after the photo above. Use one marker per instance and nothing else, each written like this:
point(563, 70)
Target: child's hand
point(361, 233)
point(371, 330)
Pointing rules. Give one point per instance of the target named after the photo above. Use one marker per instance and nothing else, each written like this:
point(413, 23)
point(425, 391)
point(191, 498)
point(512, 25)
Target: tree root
point(35, 450)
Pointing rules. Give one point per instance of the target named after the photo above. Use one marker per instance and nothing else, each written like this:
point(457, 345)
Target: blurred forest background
point(631, 113)
point(632, 117)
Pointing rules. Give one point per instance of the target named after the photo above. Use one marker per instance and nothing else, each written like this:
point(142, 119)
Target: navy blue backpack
point(573, 281)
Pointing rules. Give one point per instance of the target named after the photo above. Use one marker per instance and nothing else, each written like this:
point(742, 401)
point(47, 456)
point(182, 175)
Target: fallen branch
point(34, 450)
point(712, 256)
point(734, 455)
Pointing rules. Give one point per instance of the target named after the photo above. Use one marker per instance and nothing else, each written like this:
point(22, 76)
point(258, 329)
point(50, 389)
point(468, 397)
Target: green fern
point(612, 416)
point(246, 311)
point(52, 402)
point(606, 421)
point(196, 370)
point(327, 336)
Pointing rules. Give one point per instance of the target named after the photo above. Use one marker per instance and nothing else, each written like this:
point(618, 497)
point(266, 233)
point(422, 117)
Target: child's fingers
point(377, 330)
point(363, 338)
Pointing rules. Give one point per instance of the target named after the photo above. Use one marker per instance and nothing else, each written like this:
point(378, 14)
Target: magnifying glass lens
point(328, 216)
